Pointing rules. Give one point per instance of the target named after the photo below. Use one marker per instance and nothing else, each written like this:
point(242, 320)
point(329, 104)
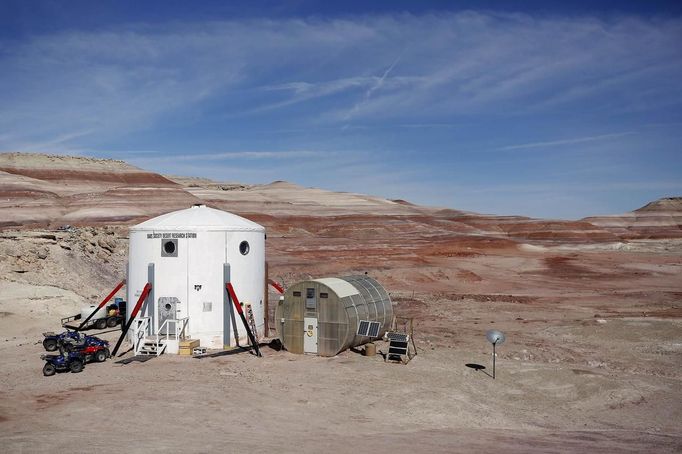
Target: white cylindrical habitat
point(188, 256)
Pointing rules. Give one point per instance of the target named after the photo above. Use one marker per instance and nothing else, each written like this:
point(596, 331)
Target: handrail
point(140, 331)
point(178, 321)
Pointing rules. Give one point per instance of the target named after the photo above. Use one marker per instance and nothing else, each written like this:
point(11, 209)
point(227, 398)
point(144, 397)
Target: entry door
point(168, 307)
point(310, 335)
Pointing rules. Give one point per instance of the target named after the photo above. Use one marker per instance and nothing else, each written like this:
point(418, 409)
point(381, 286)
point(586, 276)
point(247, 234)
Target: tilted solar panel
point(363, 328)
point(374, 328)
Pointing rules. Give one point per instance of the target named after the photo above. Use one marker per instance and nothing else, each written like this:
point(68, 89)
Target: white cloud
point(236, 155)
point(556, 143)
point(402, 66)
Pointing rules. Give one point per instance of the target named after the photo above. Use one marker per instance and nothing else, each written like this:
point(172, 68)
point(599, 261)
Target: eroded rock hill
point(50, 191)
point(656, 220)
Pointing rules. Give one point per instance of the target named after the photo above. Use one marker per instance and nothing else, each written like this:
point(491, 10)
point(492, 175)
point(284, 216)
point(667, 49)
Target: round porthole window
point(169, 247)
point(244, 247)
point(168, 306)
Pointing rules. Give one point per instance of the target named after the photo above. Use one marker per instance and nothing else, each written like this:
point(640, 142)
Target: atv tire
point(76, 366)
point(49, 370)
point(50, 345)
point(100, 356)
point(111, 322)
point(101, 323)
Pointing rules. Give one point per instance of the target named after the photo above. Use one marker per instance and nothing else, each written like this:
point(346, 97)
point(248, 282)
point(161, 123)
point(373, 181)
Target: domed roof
point(199, 217)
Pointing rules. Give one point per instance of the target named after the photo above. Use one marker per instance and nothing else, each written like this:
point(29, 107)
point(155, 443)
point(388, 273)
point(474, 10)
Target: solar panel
point(374, 329)
point(363, 327)
point(397, 337)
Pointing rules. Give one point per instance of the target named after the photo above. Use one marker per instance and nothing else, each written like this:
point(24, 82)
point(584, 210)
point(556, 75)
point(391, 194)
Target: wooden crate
point(187, 346)
point(189, 343)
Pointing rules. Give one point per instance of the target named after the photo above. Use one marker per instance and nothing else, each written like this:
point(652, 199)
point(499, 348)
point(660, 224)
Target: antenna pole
point(494, 343)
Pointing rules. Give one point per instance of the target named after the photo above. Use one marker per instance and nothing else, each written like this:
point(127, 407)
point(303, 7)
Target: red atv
point(93, 348)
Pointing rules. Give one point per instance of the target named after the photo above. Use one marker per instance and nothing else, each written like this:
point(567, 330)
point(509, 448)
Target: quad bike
point(73, 361)
point(52, 340)
point(93, 348)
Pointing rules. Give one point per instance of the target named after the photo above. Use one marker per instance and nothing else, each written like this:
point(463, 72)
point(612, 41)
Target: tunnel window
point(297, 293)
point(324, 295)
point(310, 300)
point(244, 247)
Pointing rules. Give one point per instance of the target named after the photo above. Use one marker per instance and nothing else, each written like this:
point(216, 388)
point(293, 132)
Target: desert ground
point(592, 311)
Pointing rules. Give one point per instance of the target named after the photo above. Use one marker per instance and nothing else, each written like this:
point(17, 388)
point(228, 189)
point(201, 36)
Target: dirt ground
point(288, 403)
point(592, 362)
point(592, 310)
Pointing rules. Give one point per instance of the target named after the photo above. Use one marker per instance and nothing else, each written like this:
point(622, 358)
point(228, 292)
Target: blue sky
point(562, 111)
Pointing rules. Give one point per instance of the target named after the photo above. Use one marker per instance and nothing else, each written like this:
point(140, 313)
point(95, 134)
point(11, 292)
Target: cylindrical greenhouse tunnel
point(322, 316)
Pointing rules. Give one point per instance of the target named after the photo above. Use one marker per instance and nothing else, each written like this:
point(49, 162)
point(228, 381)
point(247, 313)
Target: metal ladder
point(252, 334)
point(252, 322)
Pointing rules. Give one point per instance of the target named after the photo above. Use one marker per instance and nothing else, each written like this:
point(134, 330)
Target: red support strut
point(235, 301)
point(143, 296)
point(277, 286)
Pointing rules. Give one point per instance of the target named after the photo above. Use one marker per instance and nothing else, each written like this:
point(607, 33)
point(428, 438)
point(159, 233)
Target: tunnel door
point(310, 335)
point(310, 321)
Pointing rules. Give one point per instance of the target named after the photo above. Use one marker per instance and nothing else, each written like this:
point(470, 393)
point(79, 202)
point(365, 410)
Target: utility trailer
point(109, 317)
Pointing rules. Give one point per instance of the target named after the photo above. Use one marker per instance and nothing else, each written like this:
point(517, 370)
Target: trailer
point(108, 317)
point(99, 316)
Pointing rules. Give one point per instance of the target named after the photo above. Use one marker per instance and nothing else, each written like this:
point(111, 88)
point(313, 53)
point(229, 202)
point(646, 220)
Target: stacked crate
point(187, 346)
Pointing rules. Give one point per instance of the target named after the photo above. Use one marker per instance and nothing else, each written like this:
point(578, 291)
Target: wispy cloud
point(380, 81)
point(289, 154)
point(432, 88)
point(55, 145)
point(129, 78)
point(558, 143)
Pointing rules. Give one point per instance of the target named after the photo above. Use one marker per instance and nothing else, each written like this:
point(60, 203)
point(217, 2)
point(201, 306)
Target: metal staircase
point(152, 345)
point(168, 335)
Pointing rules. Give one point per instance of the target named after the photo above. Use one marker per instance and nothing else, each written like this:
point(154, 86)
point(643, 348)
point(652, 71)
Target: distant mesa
point(659, 219)
point(52, 161)
point(673, 204)
point(77, 168)
point(403, 202)
point(282, 184)
point(51, 190)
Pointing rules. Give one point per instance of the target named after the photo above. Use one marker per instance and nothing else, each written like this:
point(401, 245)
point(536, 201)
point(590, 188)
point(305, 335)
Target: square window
point(169, 247)
point(208, 306)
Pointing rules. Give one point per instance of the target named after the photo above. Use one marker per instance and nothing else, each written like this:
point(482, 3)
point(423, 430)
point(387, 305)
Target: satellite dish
point(495, 337)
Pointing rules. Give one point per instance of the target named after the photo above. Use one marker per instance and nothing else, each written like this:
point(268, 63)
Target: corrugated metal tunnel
point(322, 316)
